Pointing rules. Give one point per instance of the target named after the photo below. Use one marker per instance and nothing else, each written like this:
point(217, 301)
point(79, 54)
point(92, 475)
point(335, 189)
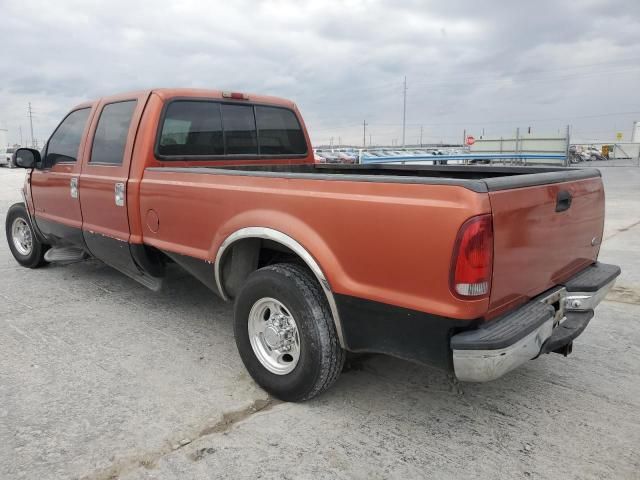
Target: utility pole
point(464, 137)
point(20, 128)
point(404, 109)
point(31, 124)
point(568, 146)
point(364, 133)
point(421, 135)
point(339, 141)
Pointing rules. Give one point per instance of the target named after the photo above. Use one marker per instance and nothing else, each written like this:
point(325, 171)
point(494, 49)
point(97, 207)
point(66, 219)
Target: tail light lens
point(472, 262)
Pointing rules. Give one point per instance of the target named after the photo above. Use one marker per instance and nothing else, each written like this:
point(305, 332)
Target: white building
point(635, 133)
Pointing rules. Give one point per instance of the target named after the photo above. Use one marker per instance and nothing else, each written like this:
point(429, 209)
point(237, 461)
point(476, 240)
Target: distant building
point(635, 133)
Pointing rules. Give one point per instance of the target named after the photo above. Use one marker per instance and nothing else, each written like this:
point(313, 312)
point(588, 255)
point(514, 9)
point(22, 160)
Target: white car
point(5, 156)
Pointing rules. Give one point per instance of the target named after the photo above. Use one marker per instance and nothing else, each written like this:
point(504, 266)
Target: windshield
point(11, 150)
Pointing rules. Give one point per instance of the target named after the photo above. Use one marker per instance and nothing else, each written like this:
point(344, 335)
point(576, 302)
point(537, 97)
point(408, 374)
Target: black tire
point(35, 258)
point(321, 357)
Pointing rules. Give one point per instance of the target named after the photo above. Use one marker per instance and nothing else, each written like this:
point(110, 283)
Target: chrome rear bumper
point(545, 324)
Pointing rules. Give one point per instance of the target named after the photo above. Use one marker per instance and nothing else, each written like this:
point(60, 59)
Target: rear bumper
point(548, 323)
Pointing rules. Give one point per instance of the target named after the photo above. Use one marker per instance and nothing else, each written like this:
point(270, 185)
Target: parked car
point(473, 270)
point(330, 157)
point(5, 156)
point(595, 154)
point(346, 158)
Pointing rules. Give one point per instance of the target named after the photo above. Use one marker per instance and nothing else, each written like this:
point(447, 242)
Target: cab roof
point(168, 93)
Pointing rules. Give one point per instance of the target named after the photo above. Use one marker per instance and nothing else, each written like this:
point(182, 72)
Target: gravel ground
point(102, 379)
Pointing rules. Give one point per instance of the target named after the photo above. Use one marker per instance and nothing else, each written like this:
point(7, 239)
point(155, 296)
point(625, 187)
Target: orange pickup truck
point(473, 269)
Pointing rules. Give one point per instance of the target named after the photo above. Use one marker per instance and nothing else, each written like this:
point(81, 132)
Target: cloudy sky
point(469, 65)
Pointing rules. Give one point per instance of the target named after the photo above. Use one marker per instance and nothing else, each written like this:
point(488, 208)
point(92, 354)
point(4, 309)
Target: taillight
point(472, 261)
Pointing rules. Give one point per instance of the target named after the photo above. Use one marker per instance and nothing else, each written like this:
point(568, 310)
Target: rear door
point(543, 235)
point(104, 177)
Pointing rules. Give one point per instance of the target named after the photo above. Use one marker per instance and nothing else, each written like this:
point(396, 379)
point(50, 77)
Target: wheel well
point(249, 254)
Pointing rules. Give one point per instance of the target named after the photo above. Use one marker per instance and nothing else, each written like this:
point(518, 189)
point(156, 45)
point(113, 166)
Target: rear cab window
point(209, 128)
point(279, 132)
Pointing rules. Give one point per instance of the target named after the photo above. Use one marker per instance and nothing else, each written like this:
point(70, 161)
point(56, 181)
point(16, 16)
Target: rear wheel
point(23, 242)
point(285, 333)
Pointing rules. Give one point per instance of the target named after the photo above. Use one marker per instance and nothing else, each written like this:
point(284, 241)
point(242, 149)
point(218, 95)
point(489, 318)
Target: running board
point(152, 283)
point(65, 255)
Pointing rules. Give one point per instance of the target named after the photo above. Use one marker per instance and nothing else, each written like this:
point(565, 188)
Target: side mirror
point(26, 158)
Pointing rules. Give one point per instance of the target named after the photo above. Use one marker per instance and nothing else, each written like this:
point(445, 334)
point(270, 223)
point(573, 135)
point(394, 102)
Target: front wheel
point(23, 242)
point(285, 333)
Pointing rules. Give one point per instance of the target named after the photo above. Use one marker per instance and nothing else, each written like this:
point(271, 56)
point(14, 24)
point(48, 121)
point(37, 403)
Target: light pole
point(364, 133)
point(404, 109)
point(31, 124)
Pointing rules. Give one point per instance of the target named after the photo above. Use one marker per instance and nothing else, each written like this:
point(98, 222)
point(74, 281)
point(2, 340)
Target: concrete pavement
point(101, 379)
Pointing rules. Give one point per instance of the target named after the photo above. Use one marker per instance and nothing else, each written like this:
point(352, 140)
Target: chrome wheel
point(274, 336)
point(22, 236)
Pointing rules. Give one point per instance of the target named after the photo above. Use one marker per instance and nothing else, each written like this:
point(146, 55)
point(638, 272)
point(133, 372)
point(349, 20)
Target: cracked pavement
point(101, 378)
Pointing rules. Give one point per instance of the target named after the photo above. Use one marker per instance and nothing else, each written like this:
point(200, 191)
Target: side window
point(111, 134)
point(279, 132)
point(192, 128)
point(239, 130)
point(64, 143)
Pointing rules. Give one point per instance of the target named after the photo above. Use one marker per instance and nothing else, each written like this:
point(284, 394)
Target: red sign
point(470, 140)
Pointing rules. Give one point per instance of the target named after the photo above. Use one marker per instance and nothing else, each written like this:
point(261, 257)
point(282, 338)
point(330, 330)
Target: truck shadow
point(193, 307)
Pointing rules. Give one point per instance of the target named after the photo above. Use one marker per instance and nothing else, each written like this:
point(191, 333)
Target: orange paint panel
point(536, 247)
point(390, 243)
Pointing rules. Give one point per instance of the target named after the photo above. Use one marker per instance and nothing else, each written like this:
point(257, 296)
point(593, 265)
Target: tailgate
point(543, 234)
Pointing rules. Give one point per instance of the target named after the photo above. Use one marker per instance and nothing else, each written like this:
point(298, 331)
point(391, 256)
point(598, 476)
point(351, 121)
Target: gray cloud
point(469, 64)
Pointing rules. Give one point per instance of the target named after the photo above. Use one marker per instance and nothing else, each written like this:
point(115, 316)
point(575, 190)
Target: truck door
point(104, 178)
point(54, 183)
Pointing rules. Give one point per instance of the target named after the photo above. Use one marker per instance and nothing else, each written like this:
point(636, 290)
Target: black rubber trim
point(567, 331)
point(375, 327)
point(505, 330)
point(200, 269)
point(592, 278)
point(542, 178)
point(473, 185)
point(501, 178)
point(59, 234)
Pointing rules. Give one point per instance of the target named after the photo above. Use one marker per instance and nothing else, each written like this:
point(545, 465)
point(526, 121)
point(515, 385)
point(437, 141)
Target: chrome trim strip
point(583, 301)
point(486, 365)
point(286, 240)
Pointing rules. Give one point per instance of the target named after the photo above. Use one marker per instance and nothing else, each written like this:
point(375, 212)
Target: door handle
point(119, 194)
point(563, 201)
point(73, 186)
